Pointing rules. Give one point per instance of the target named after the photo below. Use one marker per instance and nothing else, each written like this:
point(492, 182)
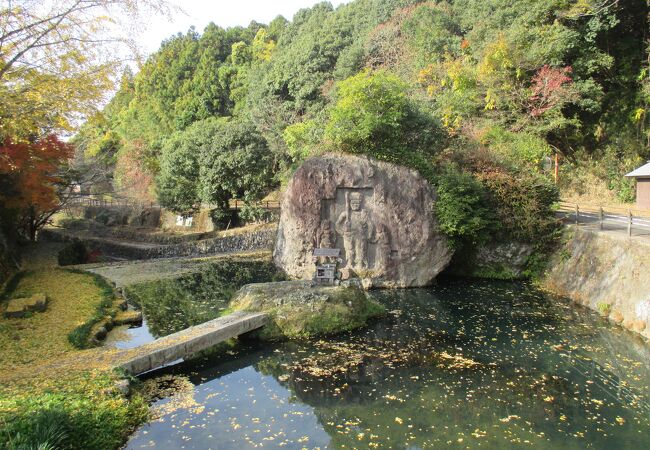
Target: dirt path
point(124, 273)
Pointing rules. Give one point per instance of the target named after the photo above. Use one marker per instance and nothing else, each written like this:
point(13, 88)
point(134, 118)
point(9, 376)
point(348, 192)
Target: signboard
point(327, 252)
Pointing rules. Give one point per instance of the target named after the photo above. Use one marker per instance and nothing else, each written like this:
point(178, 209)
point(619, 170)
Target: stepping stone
point(129, 317)
point(18, 307)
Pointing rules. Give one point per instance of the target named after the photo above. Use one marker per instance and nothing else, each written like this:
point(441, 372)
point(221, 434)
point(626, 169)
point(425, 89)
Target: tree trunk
point(32, 224)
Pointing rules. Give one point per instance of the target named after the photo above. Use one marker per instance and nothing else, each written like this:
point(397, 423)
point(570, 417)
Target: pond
point(464, 364)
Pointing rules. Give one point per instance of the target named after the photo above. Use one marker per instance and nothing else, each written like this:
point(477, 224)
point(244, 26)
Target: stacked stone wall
point(261, 239)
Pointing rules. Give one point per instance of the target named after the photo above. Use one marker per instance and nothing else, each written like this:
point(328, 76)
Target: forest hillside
point(478, 95)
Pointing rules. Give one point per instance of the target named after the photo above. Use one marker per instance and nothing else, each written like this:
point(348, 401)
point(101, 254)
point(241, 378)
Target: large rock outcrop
point(380, 215)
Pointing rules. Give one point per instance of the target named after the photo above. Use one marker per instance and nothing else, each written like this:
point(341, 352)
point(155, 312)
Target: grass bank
point(73, 299)
point(45, 406)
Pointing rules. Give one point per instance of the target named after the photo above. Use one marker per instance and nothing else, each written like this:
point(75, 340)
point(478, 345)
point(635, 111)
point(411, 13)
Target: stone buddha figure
point(325, 235)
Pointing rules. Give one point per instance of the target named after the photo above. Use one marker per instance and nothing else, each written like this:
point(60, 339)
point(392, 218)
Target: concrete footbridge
point(184, 343)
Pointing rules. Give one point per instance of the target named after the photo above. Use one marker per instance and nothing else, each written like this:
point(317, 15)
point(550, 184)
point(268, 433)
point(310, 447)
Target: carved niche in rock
point(380, 215)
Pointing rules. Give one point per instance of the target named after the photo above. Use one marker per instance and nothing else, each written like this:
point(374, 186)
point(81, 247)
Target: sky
point(225, 13)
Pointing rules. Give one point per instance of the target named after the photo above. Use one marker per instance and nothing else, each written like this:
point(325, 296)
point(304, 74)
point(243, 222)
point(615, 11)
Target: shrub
point(369, 113)
point(604, 308)
point(523, 149)
point(253, 213)
point(103, 217)
point(461, 208)
point(523, 205)
point(374, 115)
point(301, 138)
point(73, 253)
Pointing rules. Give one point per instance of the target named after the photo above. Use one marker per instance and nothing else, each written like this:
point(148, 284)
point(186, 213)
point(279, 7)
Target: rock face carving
point(355, 226)
point(380, 215)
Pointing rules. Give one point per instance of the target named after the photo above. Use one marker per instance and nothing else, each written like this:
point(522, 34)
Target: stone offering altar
point(381, 215)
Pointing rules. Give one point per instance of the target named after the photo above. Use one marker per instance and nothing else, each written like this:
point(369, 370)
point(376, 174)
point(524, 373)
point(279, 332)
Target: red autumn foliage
point(33, 170)
point(549, 89)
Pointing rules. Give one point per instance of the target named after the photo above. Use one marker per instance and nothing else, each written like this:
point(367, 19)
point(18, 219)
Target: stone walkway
point(189, 341)
point(149, 356)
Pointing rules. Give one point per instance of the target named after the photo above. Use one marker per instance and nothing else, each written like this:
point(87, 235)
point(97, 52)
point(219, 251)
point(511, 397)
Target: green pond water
point(465, 364)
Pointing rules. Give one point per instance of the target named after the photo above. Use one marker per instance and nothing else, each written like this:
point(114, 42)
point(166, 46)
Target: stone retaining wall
point(262, 239)
point(607, 272)
point(502, 260)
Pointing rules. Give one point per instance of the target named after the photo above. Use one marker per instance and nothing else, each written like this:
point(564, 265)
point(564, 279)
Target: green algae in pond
point(464, 365)
point(172, 305)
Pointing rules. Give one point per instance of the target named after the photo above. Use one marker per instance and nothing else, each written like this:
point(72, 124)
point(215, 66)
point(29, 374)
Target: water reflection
point(465, 364)
point(172, 305)
point(126, 336)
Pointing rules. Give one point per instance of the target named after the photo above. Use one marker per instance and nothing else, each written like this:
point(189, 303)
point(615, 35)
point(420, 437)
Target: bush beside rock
point(73, 253)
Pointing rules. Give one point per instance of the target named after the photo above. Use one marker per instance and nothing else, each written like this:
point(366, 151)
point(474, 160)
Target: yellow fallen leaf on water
point(398, 420)
point(509, 418)
point(620, 420)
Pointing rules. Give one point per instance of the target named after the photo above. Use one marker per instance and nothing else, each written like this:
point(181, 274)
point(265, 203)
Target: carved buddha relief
point(379, 215)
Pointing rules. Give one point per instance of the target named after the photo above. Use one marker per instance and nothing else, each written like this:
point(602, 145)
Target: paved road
point(611, 222)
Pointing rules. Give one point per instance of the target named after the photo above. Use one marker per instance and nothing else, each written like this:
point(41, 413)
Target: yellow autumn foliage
point(42, 372)
point(73, 298)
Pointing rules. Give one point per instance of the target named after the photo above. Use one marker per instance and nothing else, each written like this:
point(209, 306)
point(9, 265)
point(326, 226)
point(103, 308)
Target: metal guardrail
point(607, 217)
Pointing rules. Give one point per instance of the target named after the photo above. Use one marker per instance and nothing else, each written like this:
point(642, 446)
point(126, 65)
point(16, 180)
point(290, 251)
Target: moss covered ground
point(45, 405)
point(300, 311)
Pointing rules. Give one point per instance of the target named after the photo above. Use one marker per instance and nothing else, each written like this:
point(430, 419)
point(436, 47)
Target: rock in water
point(380, 215)
point(298, 310)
